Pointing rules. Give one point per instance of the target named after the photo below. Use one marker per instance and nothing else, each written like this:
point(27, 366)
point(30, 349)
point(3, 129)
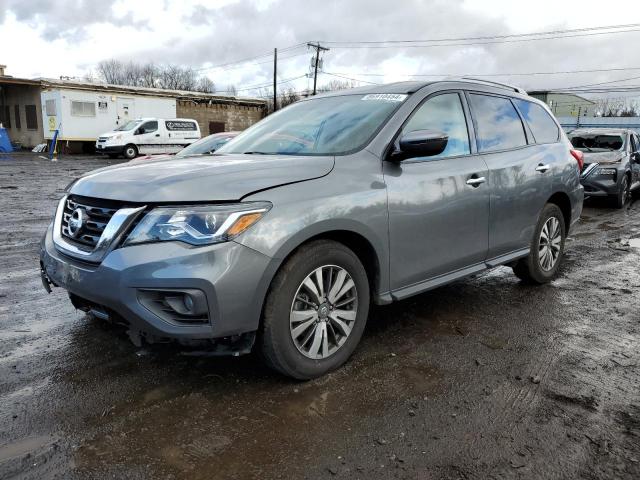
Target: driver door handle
point(543, 168)
point(157, 134)
point(476, 181)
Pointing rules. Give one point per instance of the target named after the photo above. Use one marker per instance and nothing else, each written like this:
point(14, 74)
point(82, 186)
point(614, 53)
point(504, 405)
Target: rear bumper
point(233, 278)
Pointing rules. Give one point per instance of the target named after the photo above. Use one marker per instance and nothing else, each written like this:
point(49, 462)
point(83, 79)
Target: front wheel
point(130, 152)
point(547, 248)
point(624, 194)
point(315, 311)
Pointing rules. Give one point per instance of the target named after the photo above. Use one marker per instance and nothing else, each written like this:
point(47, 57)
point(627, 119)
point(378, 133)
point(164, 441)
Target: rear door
point(439, 205)
point(520, 173)
point(634, 160)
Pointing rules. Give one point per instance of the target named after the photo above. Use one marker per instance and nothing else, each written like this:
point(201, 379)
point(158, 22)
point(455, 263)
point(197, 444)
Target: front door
point(438, 206)
point(634, 160)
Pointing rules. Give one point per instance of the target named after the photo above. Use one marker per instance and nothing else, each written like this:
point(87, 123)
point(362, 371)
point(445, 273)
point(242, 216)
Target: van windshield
point(130, 125)
point(320, 126)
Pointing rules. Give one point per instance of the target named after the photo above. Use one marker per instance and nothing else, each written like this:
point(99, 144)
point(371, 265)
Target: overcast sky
point(44, 38)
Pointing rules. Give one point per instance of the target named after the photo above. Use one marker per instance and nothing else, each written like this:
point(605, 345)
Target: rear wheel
point(315, 311)
point(130, 152)
point(547, 248)
point(624, 194)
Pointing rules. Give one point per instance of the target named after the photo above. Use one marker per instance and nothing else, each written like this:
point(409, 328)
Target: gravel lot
point(484, 378)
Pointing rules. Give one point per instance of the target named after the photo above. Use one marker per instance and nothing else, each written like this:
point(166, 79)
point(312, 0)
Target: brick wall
point(234, 117)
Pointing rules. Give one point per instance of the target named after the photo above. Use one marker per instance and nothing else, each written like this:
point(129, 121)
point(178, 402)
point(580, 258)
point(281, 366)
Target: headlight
point(606, 171)
point(198, 224)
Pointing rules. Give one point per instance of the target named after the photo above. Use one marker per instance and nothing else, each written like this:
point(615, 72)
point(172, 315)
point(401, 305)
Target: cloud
point(201, 33)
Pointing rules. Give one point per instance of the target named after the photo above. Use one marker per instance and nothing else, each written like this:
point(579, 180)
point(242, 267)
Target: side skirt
point(432, 283)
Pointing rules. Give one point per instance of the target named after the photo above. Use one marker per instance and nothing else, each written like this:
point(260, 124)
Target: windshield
point(204, 145)
point(128, 126)
point(597, 142)
point(321, 126)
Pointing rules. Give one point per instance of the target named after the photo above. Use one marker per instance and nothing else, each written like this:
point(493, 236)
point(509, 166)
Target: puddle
point(24, 446)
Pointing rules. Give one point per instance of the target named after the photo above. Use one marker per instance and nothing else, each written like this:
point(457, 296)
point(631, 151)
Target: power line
point(604, 83)
point(250, 59)
point(264, 85)
point(366, 74)
point(493, 37)
point(349, 78)
point(491, 42)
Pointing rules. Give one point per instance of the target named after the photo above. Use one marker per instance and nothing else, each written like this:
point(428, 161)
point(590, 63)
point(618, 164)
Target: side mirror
point(140, 131)
point(421, 143)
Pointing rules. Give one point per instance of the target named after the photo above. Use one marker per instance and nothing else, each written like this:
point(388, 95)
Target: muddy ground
point(485, 378)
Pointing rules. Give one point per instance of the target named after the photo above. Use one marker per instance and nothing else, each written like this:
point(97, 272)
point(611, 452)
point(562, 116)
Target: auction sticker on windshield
point(386, 97)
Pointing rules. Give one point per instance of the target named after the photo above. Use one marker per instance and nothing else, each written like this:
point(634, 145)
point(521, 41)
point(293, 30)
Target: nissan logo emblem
point(76, 221)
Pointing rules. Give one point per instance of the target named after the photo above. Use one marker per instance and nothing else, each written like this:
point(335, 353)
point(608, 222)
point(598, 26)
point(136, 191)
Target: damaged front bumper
point(139, 284)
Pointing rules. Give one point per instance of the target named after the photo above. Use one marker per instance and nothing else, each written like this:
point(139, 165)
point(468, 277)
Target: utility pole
point(318, 48)
point(275, 74)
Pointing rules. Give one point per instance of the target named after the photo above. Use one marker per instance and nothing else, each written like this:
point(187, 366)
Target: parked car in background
point(148, 136)
point(204, 146)
point(611, 162)
point(285, 235)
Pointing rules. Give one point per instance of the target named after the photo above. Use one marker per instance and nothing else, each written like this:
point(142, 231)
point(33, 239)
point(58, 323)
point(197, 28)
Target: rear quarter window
point(498, 125)
point(542, 126)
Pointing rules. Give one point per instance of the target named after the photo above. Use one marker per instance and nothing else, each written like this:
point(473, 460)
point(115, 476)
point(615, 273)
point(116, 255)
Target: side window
point(542, 126)
point(498, 124)
point(148, 127)
point(443, 113)
point(634, 143)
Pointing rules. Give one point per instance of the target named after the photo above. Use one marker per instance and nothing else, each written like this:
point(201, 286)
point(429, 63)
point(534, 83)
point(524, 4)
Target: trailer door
point(125, 109)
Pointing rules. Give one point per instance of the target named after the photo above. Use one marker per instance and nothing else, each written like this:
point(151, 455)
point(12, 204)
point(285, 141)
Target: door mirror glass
point(423, 143)
point(140, 131)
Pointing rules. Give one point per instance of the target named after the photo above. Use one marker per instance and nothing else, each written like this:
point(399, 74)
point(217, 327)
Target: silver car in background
point(283, 238)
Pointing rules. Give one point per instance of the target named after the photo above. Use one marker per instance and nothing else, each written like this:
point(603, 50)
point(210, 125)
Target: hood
point(110, 134)
point(199, 179)
point(602, 158)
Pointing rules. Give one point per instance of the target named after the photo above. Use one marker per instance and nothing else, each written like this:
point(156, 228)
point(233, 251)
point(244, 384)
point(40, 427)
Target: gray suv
point(285, 235)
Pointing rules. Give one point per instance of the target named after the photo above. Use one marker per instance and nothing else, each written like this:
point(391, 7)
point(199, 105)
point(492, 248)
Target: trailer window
point(17, 112)
point(50, 107)
point(32, 117)
point(83, 109)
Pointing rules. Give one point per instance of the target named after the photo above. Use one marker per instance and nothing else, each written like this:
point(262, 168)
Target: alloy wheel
point(550, 244)
point(323, 312)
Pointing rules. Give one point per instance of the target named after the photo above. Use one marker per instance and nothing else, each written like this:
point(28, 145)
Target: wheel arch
point(563, 202)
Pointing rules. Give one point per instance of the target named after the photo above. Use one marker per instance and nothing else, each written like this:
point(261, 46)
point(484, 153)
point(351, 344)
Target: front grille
point(99, 212)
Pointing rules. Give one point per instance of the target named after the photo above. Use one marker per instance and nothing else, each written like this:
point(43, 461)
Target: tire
point(624, 194)
point(130, 152)
point(535, 268)
point(283, 311)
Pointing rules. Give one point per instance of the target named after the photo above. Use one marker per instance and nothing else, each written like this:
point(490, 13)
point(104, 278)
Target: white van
point(148, 136)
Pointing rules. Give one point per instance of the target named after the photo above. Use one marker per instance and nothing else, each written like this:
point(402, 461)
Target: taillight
point(579, 156)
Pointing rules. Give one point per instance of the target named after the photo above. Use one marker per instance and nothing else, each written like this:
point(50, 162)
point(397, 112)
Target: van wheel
point(315, 311)
point(547, 248)
point(130, 152)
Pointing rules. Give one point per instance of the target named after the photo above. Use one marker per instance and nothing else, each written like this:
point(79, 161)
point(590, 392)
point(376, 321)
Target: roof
point(110, 88)
point(413, 86)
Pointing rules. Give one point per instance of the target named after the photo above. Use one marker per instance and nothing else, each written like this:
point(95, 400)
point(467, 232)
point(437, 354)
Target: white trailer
point(82, 115)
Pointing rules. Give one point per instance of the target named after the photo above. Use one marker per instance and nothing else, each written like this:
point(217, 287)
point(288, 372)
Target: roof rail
point(502, 85)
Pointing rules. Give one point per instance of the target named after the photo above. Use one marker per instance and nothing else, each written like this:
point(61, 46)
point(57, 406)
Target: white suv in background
point(149, 136)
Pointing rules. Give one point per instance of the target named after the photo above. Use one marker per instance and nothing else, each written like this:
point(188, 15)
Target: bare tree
point(172, 77)
point(232, 90)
